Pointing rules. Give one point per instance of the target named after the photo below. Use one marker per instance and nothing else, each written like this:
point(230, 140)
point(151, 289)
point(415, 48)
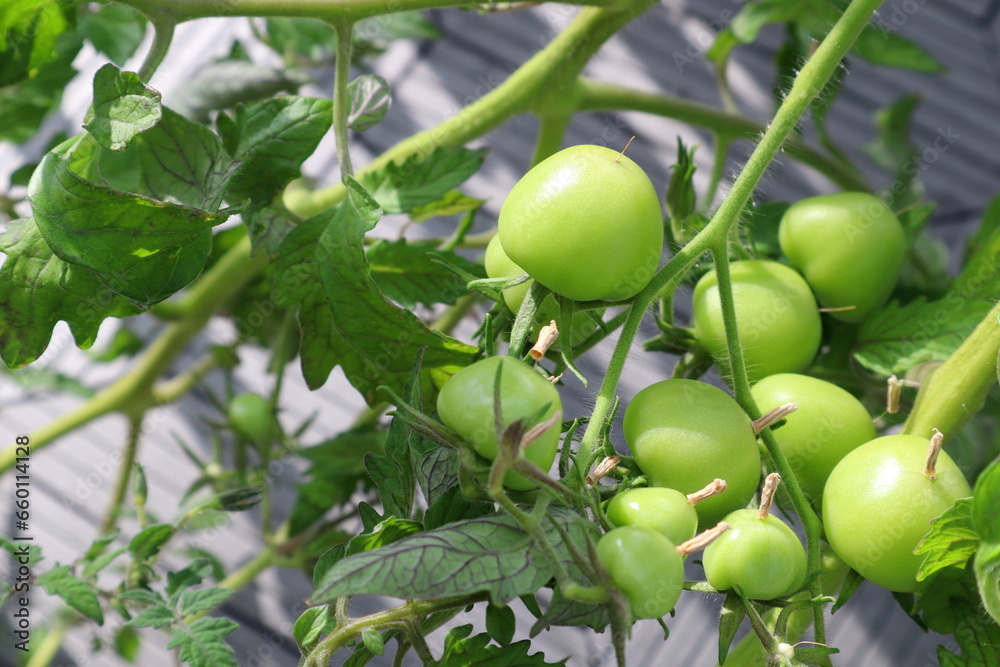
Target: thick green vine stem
point(808, 84)
point(341, 100)
point(956, 390)
point(163, 34)
point(410, 611)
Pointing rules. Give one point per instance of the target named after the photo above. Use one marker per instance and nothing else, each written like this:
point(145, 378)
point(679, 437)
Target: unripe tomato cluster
point(695, 448)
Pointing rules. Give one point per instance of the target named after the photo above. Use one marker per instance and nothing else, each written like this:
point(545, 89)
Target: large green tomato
point(763, 556)
point(829, 423)
point(666, 511)
point(499, 265)
point(850, 248)
point(776, 317)
point(684, 434)
point(465, 404)
point(646, 566)
point(586, 223)
point(878, 504)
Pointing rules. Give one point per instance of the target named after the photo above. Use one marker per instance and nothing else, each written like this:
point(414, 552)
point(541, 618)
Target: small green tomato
point(666, 511)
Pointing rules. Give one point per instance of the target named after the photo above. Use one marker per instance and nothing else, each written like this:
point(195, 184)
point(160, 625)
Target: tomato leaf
point(37, 289)
point(978, 637)
point(148, 542)
point(452, 506)
point(890, 49)
point(985, 500)
point(384, 533)
point(852, 582)
point(500, 624)
point(951, 541)
point(373, 340)
point(114, 30)
point(227, 83)
point(77, 593)
point(338, 466)
point(897, 338)
point(436, 470)
point(25, 104)
point(461, 650)
point(733, 613)
point(407, 272)
point(203, 599)
point(490, 554)
point(392, 472)
point(29, 30)
point(202, 644)
point(123, 108)
point(562, 611)
point(418, 181)
point(312, 625)
point(370, 100)
point(142, 248)
point(157, 616)
point(450, 203)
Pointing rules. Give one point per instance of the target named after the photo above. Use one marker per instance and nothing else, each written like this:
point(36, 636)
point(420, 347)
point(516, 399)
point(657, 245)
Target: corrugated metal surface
point(430, 81)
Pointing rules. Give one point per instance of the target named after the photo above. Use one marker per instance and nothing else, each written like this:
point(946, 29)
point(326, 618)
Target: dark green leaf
point(451, 203)
point(127, 643)
point(852, 582)
point(114, 30)
point(326, 561)
point(240, 499)
point(951, 541)
point(814, 655)
point(938, 594)
point(37, 289)
point(141, 248)
point(123, 108)
point(192, 575)
point(891, 49)
point(893, 146)
point(755, 15)
point(227, 83)
point(29, 31)
point(320, 341)
point(392, 471)
point(203, 599)
point(157, 616)
point(436, 470)
point(312, 625)
point(681, 197)
point(562, 611)
point(733, 613)
point(202, 644)
point(422, 180)
point(24, 105)
point(93, 566)
point(897, 338)
point(295, 267)
point(978, 638)
point(375, 341)
point(452, 506)
point(490, 554)
point(149, 541)
point(370, 100)
point(407, 272)
point(372, 640)
point(500, 624)
point(267, 227)
point(77, 593)
point(273, 138)
point(985, 501)
point(386, 532)
point(338, 467)
point(185, 162)
point(461, 650)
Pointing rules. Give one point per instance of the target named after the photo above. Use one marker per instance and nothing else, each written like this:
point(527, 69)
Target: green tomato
point(251, 416)
point(762, 555)
point(684, 434)
point(878, 504)
point(646, 566)
point(666, 511)
point(828, 425)
point(499, 265)
point(776, 317)
point(850, 248)
point(586, 223)
point(465, 404)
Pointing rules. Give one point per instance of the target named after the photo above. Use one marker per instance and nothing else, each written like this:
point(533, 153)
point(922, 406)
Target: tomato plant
point(192, 217)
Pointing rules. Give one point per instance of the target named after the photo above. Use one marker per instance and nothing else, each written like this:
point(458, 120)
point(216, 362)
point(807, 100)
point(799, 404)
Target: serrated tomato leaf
point(463, 650)
point(978, 638)
point(405, 271)
point(123, 108)
point(202, 644)
point(891, 49)
point(226, 83)
point(491, 554)
point(141, 248)
point(203, 599)
point(38, 289)
point(370, 99)
point(273, 138)
point(451, 203)
point(78, 594)
point(561, 611)
point(897, 338)
point(952, 540)
point(420, 180)
point(373, 340)
point(148, 542)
